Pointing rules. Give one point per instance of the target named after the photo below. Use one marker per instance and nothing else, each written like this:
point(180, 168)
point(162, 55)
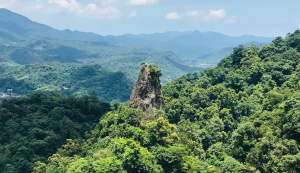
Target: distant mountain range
point(39, 50)
point(192, 46)
point(45, 64)
point(35, 57)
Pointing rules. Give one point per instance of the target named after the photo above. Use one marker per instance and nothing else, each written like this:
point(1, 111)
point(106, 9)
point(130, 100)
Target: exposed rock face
point(147, 92)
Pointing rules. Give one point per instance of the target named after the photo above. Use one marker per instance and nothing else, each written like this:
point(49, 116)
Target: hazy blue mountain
point(191, 45)
point(187, 45)
point(212, 59)
point(23, 28)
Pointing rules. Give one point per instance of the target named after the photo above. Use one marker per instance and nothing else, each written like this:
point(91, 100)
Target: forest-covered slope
point(241, 116)
point(68, 80)
point(126, 60)
point(33, 128)
point(41, 64)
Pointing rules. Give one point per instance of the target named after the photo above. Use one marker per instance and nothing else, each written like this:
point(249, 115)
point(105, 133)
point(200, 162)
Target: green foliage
point(245, 111)
point(117, 59)
point(293, 40)
point(124, 141)
point(33, 128)
point(241, 116)
point(139, 159)
point(75, 81)
point(154, 70)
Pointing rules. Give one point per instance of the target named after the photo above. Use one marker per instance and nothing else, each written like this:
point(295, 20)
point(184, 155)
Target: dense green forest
point(77, 81)
point(241, 116)
point(32, 128)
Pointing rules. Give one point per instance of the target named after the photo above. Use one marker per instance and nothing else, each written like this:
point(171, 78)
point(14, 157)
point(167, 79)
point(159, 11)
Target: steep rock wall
point(147, 92)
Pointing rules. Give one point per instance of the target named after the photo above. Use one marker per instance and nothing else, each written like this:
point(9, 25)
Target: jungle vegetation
point(76, 81)
point(241, 116)
point(46, 65)
point(33, 128)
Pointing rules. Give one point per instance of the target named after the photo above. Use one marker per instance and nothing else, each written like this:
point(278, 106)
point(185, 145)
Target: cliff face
point(147, 92)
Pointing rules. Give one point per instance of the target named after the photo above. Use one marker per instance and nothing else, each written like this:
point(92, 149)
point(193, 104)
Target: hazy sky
point(115, 17)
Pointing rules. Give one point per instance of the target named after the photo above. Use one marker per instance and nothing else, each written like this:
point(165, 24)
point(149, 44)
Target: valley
point(27, 45)
point(240, 116)
point(152, 86)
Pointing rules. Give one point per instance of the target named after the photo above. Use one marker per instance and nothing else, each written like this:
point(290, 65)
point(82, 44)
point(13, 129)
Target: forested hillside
point(41, 64)
point(127, 60)
point(77, 81)
point(241, 116)
point(32, 128)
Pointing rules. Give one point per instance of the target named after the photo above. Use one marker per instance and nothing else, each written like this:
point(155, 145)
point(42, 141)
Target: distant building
point(10, 90)
point(15, 95)
point(4, 96)
point(8, 94)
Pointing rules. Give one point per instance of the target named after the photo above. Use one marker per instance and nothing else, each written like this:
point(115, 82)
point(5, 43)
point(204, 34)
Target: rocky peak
point(147, 92)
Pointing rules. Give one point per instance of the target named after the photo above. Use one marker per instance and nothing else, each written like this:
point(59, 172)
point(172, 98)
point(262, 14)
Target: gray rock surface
point(147, 93)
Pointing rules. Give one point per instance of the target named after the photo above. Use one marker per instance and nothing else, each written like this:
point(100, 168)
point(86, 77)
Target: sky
point(116, 17)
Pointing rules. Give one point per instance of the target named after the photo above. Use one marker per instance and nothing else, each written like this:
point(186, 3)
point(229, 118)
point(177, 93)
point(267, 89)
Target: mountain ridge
point(187, 45)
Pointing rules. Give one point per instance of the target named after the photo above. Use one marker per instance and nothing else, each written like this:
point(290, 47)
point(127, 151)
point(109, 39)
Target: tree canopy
point(241, 116)
point(33, 128)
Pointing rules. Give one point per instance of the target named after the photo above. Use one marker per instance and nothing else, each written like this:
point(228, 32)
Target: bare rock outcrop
point(147, 92)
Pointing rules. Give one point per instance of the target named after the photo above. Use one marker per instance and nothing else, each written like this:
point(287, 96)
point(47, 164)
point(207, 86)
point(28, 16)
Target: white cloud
point(7, 3)
point(23, 6)
point(218, 13)
point(173, 15)
point(92, 10)
point(142, 2)
point(297, 21)
point(71, 5)
point(215, 14)
point(57, 6)
point(231, 20)
point(36, 5)
point(132, 14)
point(199, 16)
point(108, 2)
point(91, 7)
point(192, 13)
